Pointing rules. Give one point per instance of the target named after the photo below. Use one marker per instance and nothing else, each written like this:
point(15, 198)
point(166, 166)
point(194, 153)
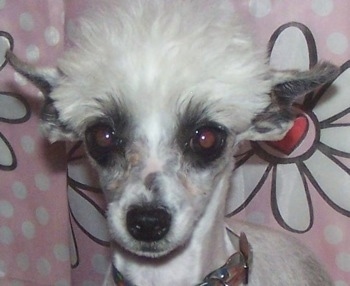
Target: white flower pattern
point(13, 110)
point(314, 153)
point(86, 203)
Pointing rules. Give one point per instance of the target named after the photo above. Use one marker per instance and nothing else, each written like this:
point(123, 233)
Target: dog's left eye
point(102, 142)
point(207, 143)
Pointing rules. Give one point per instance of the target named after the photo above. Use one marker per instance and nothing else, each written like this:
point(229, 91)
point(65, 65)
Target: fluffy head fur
point(161, 92)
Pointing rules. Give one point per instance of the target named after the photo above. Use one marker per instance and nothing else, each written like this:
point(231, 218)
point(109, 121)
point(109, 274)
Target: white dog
point(161, 92)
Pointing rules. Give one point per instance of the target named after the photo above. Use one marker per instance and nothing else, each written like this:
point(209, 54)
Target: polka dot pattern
point(322, 7)
point(42, 215)
point(6, 235)
point(43, 266)
point(19, 190)
point(343, 261)
point(28, 230)
point(2, 4)
point(26, 21)
point(52, 36)
point(61, 252)
point(333, 234)
point(260, 8)
point(34, 223)
point(32, 248)
point(42, 182)
point(6, 209)
point(337, 43)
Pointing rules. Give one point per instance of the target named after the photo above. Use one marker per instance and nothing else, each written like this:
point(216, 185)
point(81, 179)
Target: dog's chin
point(154, 250)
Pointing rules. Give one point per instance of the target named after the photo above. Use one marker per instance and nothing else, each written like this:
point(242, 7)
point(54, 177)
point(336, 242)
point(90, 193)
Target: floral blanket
point(52, 221)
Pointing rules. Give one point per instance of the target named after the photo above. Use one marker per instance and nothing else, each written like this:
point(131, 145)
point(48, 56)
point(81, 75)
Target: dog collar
point(234, 272)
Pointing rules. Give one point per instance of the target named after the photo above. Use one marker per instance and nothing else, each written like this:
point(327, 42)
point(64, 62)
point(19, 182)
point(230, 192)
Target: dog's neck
point(208, 249)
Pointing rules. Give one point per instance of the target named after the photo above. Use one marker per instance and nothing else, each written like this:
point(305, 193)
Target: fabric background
point(52, 224)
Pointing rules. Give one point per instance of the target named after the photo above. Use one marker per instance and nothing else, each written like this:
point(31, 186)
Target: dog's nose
point(147, 223)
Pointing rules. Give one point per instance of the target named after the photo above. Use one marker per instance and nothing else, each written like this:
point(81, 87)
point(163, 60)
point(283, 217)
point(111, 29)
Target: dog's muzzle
point(148, 224)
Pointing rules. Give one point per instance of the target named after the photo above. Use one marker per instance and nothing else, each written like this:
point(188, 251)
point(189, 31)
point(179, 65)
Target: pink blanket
point(52, 224)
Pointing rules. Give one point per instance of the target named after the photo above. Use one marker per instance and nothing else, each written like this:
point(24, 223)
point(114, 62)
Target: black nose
point(147, 223)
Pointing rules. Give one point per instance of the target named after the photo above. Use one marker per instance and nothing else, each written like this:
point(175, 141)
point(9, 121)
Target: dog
point(161, 93)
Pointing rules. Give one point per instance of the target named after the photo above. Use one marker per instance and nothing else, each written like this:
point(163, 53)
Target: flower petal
point(7, 156)
point(291, 203)
point(89, 216)
point(292, 46)
point(83, 175)
point(80, 172)
point(335, 99)
point(74, 252)
point(338, 138)
point(6, 42)
point(331, 179)
point(13, 108)
point(246, 182)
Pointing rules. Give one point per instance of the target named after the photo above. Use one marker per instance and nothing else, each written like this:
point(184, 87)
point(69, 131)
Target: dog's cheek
point(112, 181)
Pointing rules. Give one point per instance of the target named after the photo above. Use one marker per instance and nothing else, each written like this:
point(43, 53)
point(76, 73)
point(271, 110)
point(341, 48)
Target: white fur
point(162, 65)
point(149, 37)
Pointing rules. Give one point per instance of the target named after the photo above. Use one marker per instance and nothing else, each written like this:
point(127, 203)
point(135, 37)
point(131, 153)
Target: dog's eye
point(208, 142)
point(102, 142)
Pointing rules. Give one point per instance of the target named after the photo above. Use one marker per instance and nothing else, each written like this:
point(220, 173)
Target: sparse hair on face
point(161, 92)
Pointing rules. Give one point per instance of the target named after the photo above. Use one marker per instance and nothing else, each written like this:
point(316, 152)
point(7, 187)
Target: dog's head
point(160, 92)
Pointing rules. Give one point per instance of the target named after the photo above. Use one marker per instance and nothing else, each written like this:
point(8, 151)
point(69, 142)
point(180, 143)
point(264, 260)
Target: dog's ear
point(46, 79)
point(275, 121)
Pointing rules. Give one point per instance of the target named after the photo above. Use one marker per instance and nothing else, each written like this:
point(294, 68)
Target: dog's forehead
point(156, 57)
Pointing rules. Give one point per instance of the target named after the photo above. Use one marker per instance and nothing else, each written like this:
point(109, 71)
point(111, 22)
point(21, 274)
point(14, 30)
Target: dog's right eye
point(102, 143)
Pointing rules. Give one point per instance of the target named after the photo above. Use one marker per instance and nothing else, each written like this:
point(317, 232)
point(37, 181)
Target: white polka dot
point(28, 144)
point(61, 252)
point(26, 21)
point(17, 283)
point(28, 229)
point(62, 282)
point(19, 190)
point(333, 234)
point(6, 235)
point(2, 4)
point(337, 43)
point(43, 266)
point(42, 215)
point(322, 7)
point(6, 209)
point(42, 182)
point(3, 269)
point(89, 283)
point(343, 261)
point(32, 53)
point(340, 283)
point(52, 36)
point(19, 79)
point(100, 263)
point(260, 8)
point(22, 261)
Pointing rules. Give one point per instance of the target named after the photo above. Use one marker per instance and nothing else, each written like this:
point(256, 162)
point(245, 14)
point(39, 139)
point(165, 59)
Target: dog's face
point(160, 107)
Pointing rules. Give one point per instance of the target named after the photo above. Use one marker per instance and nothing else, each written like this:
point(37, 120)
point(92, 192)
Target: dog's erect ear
point(46, 79)
point(275, 121)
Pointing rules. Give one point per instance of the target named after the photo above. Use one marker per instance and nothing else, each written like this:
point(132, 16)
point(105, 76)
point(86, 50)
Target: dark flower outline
point(19, 120)
point(308, 105)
